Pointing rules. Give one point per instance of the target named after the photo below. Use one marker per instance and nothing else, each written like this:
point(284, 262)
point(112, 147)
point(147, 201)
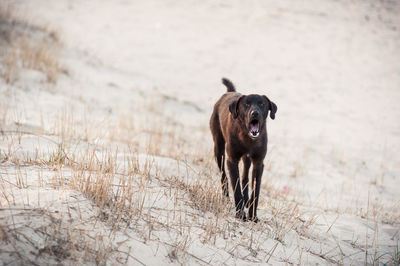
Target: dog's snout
point(254, 113)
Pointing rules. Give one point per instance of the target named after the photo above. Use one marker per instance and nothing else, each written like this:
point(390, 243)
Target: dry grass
point(132, 190)
point(126, 188)
point(121, 189)
point(48, 238)
point(25, 46)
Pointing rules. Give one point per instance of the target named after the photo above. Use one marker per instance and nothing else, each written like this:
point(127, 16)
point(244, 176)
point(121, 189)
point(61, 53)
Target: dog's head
point(252, 111)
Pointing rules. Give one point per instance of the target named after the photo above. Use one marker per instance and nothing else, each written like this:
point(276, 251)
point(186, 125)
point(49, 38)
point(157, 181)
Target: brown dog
point(239, 121)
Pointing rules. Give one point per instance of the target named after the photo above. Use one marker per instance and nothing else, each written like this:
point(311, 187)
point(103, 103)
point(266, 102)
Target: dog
point(238, 127)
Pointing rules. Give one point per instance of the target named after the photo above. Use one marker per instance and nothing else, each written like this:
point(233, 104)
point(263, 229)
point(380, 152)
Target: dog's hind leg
point(245, 179)
point(219, 151)
point(235, 182)
point(258, 168)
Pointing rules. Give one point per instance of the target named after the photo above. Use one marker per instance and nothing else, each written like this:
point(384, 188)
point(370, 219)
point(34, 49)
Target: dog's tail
point(229, 85)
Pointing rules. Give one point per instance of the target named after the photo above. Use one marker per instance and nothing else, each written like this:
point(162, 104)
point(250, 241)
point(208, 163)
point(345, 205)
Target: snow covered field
point(106, 155)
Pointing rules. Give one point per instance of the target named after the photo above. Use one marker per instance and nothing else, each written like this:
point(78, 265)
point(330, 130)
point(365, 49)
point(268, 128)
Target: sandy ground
point(134, 67)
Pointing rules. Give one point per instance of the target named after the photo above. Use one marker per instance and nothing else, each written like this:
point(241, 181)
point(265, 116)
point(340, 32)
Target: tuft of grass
point(49, 239)
point(42, 56)
point(20, 50)
point(203, 195)
point(58, 157)
point(396, 256)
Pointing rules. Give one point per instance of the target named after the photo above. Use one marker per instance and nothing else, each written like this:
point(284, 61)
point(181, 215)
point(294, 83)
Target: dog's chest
point(242, 144)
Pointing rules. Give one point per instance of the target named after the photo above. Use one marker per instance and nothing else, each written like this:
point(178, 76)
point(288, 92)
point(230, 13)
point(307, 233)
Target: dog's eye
point(261, 104)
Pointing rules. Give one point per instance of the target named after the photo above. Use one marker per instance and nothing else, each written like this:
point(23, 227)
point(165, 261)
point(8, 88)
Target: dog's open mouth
point(254, 128)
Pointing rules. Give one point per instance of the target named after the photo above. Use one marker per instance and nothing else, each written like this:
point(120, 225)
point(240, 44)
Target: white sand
point(332, 67)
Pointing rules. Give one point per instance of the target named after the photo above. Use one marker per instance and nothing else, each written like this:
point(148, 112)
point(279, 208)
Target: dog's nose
point(254, 113)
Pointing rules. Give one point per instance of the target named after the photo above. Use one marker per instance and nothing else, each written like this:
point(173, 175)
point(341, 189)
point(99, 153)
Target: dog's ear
point(234, 107)
point(272, 107)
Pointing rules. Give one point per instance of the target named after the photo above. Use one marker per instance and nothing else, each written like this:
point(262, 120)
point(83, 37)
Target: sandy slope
point(332, 67)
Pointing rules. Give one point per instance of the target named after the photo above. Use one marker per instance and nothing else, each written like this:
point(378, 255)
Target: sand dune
point(105, 152)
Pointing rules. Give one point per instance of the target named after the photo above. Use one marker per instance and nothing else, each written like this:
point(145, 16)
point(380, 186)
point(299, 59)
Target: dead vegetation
point(25, 46)
point(126, 187)
point(39, 236)
point(150, 192)
point(155, 195)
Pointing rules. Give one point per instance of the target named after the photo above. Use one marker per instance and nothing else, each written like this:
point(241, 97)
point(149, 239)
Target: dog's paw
point(241, 215)
point(254, 219)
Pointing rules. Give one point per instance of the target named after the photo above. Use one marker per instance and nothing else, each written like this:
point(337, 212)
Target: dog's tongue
point(254, 127)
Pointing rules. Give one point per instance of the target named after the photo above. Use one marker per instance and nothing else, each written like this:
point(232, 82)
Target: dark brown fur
point(230, 124)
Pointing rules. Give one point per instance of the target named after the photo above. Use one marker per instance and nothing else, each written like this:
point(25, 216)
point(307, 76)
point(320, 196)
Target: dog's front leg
point(258, 168)
point(245, 180)
point(237, 191)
